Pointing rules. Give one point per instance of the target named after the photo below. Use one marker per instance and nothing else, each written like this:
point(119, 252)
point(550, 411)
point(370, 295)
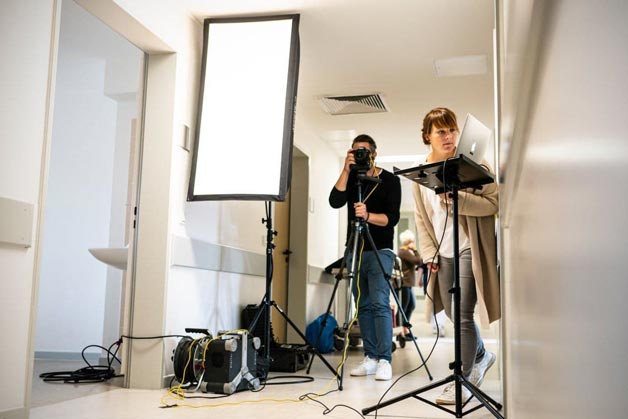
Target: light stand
point(359, 227)
point(267, 302)
point(459, 173)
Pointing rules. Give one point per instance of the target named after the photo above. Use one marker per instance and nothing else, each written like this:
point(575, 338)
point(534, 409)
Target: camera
point(362, 158)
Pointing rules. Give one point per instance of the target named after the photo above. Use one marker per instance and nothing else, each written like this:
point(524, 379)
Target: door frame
point(298, 266)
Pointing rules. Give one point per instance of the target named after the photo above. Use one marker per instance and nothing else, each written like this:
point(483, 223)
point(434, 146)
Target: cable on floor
point(94, 373)
point(89, 374)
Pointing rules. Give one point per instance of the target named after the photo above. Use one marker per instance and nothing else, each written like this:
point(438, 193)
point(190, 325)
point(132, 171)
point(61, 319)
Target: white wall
point(323, 233)
point(565, 285)
point(78, 207)
point(25, 73)
point(238, 224)
point(87, 184)
point(323, 221)
point(126, 114)
point(235, 224)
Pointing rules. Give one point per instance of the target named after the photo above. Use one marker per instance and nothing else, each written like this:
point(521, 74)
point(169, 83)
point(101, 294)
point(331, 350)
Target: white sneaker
point(440, 331)
point(479, 369)
point(384, 371)
point(367, 367)
point(448, 396)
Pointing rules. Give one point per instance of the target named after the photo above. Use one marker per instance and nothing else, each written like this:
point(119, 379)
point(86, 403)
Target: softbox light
point(244, 132)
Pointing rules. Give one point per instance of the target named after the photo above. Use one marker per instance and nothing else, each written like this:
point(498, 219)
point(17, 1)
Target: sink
point(112, 256)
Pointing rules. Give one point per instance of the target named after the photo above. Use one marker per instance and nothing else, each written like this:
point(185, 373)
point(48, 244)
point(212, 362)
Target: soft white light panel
point(240, 138)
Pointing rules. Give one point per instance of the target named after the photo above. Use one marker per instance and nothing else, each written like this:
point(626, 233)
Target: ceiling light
point(406, 158)
point(467, 65)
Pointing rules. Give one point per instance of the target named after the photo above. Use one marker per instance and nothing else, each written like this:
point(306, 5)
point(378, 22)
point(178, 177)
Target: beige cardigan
point(476, 216)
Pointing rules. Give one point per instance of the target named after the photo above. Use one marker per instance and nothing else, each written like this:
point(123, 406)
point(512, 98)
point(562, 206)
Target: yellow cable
point(178, 393)
point(347, 339)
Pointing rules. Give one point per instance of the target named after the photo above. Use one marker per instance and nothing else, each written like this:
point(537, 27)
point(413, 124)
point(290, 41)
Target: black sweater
point(385, 199)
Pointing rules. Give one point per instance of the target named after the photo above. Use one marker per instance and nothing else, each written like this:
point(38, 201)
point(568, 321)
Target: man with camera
point(379, 207)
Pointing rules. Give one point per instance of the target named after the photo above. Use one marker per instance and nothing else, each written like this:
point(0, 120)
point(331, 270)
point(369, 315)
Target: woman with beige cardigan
point(479, 282)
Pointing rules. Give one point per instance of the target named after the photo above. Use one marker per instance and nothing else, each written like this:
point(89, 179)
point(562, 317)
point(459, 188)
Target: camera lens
point(360, 154)
point(362, 157)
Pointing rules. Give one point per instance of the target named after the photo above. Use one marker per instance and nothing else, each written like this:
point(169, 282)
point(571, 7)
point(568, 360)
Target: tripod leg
point(262, 310)
point(325, 317)
point(300, 333)
point(407, 321)
point(483, 398)
point(413, 393)
point(387, 276)
point(331, 300)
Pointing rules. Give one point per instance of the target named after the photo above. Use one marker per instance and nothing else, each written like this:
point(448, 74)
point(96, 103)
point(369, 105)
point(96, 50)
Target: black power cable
point(89, 374)
point(95, 373)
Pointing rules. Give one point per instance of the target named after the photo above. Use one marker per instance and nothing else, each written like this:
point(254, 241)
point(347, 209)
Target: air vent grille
point(346, 105)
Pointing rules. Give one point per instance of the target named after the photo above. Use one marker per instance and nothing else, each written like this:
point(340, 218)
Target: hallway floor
point(52, 401)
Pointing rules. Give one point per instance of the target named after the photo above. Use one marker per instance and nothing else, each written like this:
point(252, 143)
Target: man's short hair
point(363, 138)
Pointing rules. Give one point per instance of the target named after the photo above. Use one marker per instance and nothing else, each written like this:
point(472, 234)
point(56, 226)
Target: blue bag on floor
point(325, 343)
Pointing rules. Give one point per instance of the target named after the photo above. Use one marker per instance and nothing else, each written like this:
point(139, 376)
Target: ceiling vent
point(346, 105)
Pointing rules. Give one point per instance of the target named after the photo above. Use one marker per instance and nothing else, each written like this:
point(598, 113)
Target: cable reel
point(189, 352)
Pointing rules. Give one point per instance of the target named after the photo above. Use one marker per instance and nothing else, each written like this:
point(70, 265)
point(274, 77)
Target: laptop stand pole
point(457, 377)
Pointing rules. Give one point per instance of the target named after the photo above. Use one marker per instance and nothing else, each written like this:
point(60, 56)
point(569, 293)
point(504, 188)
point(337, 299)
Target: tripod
point(360, 227)
point(461, 173)
point(267, 302)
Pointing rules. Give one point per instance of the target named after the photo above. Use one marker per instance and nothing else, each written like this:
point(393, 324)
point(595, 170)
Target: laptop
point(474, 139)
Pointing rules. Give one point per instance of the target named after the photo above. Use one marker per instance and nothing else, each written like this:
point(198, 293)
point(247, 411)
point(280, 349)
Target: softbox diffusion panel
point(244, 132)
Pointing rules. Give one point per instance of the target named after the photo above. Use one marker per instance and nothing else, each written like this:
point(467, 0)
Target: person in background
point(380, 209)
point(479, 282)
point(410, 263)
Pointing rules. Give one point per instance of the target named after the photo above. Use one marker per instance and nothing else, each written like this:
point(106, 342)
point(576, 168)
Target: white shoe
point(440, 331)
point(384, 370)
point(368, 366)
point(479, 369)
point(448, 396)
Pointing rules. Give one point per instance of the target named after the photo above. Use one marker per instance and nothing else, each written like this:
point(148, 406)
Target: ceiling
point(353, 47)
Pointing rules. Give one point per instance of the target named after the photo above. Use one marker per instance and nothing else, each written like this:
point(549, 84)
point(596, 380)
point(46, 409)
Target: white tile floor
point(88, 401)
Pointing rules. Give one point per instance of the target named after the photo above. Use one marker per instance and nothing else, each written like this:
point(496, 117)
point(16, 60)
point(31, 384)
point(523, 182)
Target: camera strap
point(374, 187)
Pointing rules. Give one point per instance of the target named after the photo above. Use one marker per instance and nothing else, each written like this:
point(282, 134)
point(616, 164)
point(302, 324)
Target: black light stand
point(358, 228)
point(267, 302)
point(459, 173)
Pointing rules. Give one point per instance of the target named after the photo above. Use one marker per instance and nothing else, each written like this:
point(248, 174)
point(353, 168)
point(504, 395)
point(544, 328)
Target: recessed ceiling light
point(406, 158)
point(340, 136)
point(467, 65)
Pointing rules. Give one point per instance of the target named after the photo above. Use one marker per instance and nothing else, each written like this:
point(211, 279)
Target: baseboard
point(167, 380)
point(21, 413)
point(92, 357)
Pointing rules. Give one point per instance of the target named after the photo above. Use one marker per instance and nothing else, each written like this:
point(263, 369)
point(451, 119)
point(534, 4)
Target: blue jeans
point(408, 303)
point(374, 313)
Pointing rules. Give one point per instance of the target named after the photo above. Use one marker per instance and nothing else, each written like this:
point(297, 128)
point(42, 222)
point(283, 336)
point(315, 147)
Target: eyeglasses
point(444, 132)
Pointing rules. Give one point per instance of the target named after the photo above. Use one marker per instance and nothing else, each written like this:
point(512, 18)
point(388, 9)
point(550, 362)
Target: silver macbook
point(474, 139)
